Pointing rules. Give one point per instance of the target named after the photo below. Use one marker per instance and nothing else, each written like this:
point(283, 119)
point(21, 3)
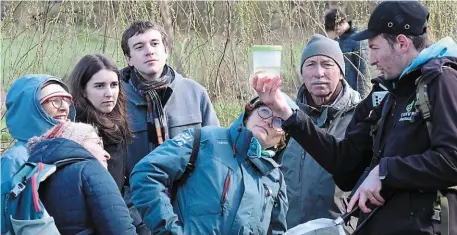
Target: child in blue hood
point(34, 104)
point(235, 188)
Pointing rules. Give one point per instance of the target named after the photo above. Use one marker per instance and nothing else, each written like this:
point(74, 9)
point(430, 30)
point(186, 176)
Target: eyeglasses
point(58, 101)
point(265, 113)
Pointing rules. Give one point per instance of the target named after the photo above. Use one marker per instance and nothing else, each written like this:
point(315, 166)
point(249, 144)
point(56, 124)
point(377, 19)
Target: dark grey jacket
point(311, 190)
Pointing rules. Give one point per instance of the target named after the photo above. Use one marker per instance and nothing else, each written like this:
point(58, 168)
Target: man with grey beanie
point(327, 98)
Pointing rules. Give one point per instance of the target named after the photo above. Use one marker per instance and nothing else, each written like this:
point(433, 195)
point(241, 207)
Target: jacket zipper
point(268, 193)
point(224, 193)
point(301, 166)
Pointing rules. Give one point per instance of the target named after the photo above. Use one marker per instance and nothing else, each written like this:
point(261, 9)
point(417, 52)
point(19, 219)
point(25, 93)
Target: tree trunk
point(168, 26)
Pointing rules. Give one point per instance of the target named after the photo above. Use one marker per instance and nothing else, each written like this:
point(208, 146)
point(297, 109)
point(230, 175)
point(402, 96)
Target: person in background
point(34, 104)
point(355, 52)
point(161, 103)
point(100, 100)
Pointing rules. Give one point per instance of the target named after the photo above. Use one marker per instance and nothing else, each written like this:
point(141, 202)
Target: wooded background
point(211, 39)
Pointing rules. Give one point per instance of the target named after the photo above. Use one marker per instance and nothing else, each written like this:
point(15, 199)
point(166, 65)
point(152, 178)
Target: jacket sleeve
point(209, 117)
point(361, 111)
point(435, 168)
point(152, 177)
point(107, 209)
point(278, 223)
point(345, 159)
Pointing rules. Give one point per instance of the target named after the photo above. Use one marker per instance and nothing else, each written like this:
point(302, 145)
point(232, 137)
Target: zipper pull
point(225, 190)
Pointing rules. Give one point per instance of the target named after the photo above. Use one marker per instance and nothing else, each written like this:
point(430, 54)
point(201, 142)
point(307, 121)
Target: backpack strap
point(69, 161)
point(423, 103)
point(441, 204)
point(190, 167)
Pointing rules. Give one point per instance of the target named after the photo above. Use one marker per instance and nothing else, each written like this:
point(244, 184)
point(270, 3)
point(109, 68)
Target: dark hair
point(139, 27)
point(420, 42)
point(113, 126)
point(249, 109)
point(333, 17)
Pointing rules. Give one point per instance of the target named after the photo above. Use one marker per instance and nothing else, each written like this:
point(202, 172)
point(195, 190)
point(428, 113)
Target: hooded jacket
point(82, 196)
point(229, 192)
point(25, 118)
point(412, 165)
point(311, 190)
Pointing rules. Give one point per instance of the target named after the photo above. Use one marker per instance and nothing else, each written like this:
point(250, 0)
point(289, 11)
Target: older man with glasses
point(328, 99)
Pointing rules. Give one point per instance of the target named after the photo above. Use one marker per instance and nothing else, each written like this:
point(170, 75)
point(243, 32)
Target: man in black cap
point(401, 159)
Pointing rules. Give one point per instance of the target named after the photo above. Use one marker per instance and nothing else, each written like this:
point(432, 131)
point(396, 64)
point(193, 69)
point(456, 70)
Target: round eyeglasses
point(265, 113)
point(58, 101)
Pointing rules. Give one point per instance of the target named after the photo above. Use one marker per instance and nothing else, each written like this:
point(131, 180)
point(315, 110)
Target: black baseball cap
point(396, 17)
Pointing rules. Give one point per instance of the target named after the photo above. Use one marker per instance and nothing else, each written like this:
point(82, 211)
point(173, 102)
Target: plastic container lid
point(266, 48)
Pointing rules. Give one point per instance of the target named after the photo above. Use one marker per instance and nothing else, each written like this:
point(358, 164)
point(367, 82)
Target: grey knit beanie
point(321, 45)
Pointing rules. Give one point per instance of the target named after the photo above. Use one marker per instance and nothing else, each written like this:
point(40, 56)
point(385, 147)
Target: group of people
point(156, 161)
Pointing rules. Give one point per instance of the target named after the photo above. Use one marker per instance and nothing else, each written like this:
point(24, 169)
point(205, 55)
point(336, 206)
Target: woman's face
point(265, 126)
point(57, 107)
point(102, 90)
point(94, 144)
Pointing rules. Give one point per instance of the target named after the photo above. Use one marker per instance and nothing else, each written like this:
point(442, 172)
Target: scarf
point(255, 150)
point(320, 114)
point(152, 91)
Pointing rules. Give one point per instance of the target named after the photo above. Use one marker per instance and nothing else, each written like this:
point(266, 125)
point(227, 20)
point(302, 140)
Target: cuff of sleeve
point(290, 122)
point(383, 169)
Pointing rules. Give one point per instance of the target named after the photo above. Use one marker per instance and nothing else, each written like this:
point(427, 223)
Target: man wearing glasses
point(328, 99)
point(34, 104)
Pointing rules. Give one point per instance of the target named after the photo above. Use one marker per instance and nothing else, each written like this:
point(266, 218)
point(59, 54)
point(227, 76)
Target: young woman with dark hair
point(100, 101)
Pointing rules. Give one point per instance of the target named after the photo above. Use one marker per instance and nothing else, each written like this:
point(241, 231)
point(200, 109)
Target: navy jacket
point(354, 58)
point(82, 196)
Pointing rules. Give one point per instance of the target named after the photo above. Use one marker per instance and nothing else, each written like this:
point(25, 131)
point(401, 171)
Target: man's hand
point(269, 93)
point(369, 190)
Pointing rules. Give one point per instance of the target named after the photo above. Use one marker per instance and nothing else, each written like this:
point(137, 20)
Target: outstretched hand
point(268, 90)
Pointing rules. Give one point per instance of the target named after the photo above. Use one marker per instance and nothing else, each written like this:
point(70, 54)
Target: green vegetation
point(211, 38)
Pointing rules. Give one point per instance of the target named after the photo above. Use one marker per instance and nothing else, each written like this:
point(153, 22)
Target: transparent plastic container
point(266, 59)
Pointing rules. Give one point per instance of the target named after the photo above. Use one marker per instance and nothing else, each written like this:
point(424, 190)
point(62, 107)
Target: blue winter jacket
point(82, 196)
point(25, 118)
point(227, 193)
point(355, 59)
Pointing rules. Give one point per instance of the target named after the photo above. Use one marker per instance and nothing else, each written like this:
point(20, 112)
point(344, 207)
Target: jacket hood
point(52, 150)
point(25, 117)
point(442, 48)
